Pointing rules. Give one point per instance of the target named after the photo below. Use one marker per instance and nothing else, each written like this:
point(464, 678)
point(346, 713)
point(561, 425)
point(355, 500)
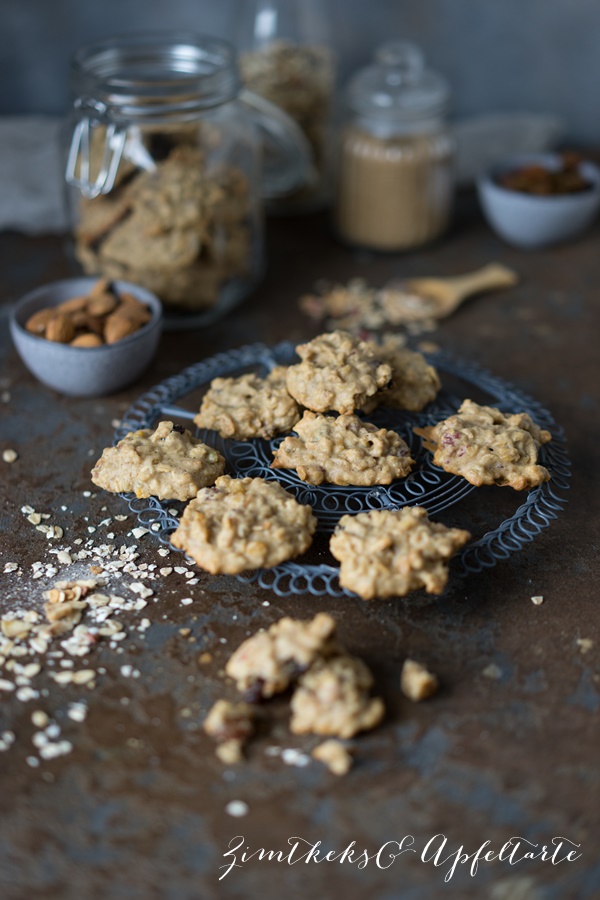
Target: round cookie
point(338, 372)
point(244, 523)
point(485, 446)
point(343, 450)
point(388, 553)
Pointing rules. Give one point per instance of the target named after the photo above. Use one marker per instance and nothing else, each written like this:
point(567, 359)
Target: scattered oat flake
point(186, 601)
point(293, 757)
point(10, 567)
point(162, 551)
point(39, 718)
point(139, 532)
point(538, 599)
point(237, 808)
point(585, 644)
point(492, 671)
point(9, 455)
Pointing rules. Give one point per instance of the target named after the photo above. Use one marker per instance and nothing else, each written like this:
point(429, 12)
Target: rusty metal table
point(138, 808)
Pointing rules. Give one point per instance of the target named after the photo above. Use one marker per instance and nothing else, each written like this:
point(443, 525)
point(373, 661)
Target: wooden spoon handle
point(487, 278)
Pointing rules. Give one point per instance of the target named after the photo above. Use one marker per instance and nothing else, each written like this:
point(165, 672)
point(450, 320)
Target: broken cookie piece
point(249, 406)
point(388, 553)
point(266, 663)
point(244, 523)
point(343, 450)
point(417, 682)
point(338, 372)
point(230, 725)
point(486, 446)
point(333, 698)
point(168, 463)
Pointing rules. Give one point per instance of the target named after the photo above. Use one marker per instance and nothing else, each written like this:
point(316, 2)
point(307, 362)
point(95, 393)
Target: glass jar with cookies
point(166, 170)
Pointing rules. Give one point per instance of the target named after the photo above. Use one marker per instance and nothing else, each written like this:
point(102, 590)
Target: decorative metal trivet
point(427, 485)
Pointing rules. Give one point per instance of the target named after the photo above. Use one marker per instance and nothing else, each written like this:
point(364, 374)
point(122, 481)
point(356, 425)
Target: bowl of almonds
point(86, 337)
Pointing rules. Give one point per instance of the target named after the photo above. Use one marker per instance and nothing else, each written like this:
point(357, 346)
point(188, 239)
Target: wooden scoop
point(436, 298)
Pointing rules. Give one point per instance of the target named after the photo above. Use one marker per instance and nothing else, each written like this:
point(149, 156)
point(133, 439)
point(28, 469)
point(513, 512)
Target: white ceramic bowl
point(529, 221)
point(84, 371)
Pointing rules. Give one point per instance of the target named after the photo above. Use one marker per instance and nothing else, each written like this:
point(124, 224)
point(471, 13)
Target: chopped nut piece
point(334, 755)
point(15, 628)
point(417, 682)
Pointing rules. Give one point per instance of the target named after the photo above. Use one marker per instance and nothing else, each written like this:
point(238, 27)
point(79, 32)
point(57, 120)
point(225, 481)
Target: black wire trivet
point(427, 485)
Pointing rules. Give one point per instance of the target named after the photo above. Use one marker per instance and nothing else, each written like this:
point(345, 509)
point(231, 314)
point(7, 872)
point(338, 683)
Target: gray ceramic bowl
point(529, 221)
point(84, 371)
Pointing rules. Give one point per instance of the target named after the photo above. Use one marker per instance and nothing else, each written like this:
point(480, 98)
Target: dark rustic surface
point(137, 810)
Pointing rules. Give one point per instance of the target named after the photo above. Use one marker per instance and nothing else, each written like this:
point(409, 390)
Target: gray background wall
point(534, 55)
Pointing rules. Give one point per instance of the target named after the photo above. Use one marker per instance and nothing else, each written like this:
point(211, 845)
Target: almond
point(103, 286)
point(73, 305)
point(102, 305)
point(36, 323)
point(133, 309)
point(60, 329)
point(117, 327)
point(87, 340)
point(95, 324)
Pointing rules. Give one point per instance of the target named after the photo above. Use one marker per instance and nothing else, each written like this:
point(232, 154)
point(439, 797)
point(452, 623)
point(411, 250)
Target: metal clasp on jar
point(94, 115)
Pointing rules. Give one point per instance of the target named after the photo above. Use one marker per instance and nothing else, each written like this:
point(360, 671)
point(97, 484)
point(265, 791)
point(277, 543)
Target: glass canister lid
point(398, 87)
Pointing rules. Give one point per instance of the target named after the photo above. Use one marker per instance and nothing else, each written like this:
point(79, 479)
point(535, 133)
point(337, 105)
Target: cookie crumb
point(417, 682)
point(335, 756)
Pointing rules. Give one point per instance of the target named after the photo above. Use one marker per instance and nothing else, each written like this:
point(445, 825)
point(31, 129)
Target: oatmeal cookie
point(388, 553)
point(333, 698)
point(486, 446)
point(248, 406)
point(230, 725)
point(343, 450)
point(414, 382)
point(338, 372)
point(266, 663)
point(168, 463)
point(244, 523)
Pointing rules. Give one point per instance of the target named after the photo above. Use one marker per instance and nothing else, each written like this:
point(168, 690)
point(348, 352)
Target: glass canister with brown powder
point(395, 167)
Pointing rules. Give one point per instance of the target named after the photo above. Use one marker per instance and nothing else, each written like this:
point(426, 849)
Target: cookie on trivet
point(343, 450)
point(388, 553)
point(414, 382)
point(338, 372)
point(168, 463)
point(249, 406)
point(244, 523)
point(486, 446)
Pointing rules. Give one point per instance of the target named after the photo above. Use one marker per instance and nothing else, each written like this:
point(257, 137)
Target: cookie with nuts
point(338, 373)
point(244, 523)
point(389, 553)
point(249, 406)
point(487, 446)
point(343, 450)
point(168, 463)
